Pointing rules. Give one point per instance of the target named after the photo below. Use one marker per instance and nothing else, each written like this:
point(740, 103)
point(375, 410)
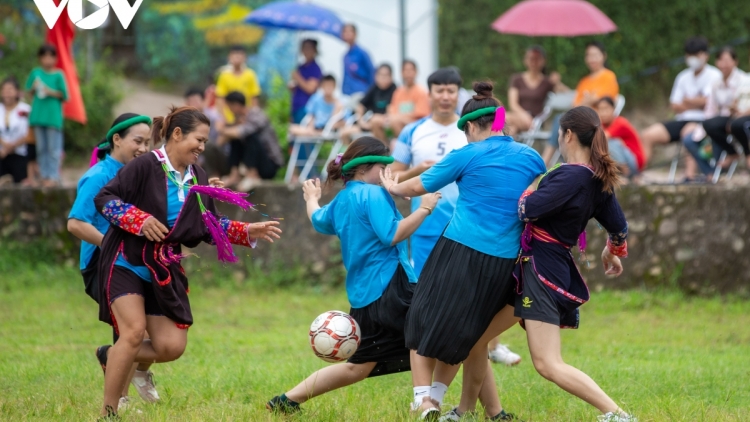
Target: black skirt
point(382, 328)
point(459, 292)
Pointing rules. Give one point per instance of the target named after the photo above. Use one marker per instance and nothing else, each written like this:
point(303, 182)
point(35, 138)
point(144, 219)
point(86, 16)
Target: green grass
point(663, 356)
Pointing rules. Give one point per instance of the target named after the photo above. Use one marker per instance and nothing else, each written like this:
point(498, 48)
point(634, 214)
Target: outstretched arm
point(410, 188)
point(312, 193)
point(410, 224)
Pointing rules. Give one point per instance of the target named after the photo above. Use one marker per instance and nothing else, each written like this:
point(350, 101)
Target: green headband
point(126, 124)
point(475, 115)
point(367, 159)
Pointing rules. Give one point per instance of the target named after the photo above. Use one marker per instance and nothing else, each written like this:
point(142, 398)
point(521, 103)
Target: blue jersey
point(365, 218)
point(491, 176)
point(359, 74)
point(84, 209)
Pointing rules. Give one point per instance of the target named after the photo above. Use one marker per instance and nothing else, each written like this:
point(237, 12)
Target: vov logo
point(123, 10)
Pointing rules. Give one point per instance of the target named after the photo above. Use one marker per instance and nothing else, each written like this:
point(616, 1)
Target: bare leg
point(488, 396)
point(544, 345)
point(492, 345)
point(475, 365)
point(654, 134)
point(691, 167)
point(328, 379)
point(133, 367)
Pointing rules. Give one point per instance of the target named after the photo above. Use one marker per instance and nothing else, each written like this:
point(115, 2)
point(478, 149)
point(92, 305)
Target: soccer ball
point(334, 336)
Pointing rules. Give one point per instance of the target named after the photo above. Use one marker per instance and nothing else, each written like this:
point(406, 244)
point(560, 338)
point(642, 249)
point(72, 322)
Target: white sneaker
point(503, 355)
point(143, 381)
point(450, 416)
point(616, 417)
point(124, 406)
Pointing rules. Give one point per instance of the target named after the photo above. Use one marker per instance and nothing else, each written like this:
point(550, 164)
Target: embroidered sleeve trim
point(522, 206)
point(238, 232)
point(125, 216)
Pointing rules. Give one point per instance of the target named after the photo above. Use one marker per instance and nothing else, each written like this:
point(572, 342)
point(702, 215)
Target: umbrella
point(295, 15)
point(555, 18)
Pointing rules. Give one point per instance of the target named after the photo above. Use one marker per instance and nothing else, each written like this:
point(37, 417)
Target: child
point(321, 107)
point(380, 279)
point(624, 143)
point(47, 84)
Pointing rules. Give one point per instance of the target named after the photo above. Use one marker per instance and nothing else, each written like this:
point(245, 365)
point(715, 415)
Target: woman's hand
point(215, 182)
point(154, 230)
point(266, 230)
point(311, 190)
point(388, 179)
point(430, 200)
point(612, 264)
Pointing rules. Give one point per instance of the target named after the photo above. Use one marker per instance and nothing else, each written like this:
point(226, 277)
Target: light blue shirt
point(84, 209)
point(365, 218)
point(320, 109)
point(491, 176)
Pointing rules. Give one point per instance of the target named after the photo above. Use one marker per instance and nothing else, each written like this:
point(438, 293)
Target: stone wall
point(687, 236)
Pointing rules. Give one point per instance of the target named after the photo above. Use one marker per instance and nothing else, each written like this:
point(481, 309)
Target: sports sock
point(437, 392)
point(420, 393)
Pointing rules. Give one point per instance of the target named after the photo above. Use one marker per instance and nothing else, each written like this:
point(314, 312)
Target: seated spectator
point(600, 82)
point(376, 100)
point(321, 107)
point(624, 143)
point(14, 129)
point(236, 77)
point(721, 117)
point(688, 99)
point(410, 102)
point(528, 91)
point(214, 157)
point(305, 80)
point(253, 142)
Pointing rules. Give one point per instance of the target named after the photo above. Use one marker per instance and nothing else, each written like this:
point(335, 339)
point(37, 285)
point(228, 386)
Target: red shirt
point(622, 129)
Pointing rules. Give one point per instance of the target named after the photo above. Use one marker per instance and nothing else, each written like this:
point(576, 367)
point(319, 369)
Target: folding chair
point(556, 102)
point(720, 161)
point(317, 143)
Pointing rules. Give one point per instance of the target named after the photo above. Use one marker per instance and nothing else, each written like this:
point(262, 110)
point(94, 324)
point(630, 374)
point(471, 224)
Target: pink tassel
point(94, 158)
point(499, 123)
point(526, 238)
point(223, 195)
point(223, 247)
point(582, 241)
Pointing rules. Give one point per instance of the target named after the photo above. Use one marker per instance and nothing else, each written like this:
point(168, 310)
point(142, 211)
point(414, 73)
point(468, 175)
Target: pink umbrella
point(554, 18)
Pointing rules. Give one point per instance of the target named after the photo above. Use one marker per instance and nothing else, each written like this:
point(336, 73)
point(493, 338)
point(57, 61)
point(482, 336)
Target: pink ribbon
point(499, 123)
point(94, 158)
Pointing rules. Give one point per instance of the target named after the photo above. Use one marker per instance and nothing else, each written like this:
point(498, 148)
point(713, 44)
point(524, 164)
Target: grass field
point(662, 356)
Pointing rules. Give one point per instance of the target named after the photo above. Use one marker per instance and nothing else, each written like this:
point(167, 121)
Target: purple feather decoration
point(223, 195)
point(223, 247)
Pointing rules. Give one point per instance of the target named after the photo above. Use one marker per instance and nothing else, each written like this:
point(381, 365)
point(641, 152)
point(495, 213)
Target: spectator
point(321, 107)
point(375, 101)
point(688, 99)
point(624, 143)
point(721, 116)
point(358, 70)
point(463, 94)
point(528, 90)
point(410, 103)
point(253, 142)
point(237, 78)
point(600, 82)
point(47, 85)
point(14, 129)
point(305, 80)
point(214, 157)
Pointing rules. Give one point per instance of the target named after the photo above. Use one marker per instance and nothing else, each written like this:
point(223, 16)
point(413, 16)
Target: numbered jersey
point(427, 140)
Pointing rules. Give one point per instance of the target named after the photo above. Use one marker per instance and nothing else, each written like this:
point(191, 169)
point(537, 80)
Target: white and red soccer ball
point(334, 336)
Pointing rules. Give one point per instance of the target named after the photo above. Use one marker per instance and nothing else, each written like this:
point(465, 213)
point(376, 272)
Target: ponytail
point(585, 123)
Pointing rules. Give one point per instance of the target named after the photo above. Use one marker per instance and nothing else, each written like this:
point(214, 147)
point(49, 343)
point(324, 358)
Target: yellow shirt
point(245, 83)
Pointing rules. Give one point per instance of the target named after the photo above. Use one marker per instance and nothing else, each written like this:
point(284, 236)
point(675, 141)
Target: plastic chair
point(556, 102)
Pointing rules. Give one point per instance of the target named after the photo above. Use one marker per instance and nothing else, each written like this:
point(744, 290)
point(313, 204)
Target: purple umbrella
point(295, 15)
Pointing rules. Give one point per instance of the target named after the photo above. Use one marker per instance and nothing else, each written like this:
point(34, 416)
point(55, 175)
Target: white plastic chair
point(556, 102)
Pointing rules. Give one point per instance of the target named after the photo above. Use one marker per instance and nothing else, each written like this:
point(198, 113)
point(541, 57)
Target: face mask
point(694, 62)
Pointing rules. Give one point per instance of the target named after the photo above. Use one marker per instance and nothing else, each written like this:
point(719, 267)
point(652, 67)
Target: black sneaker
point(111, 414)
point(101, 356)
point(282, 405)
point(502, 416)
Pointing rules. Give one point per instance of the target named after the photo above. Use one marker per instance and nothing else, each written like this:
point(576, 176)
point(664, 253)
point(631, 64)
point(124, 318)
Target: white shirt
point(429, 141)
point(689, 85)
point(723, 94)
point(14, 125)
point(742, 94)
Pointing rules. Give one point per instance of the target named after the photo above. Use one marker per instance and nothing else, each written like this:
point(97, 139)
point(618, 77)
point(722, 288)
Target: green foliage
point(650, 34)
point(19, 52)
point(100, 95)
point(278, 108)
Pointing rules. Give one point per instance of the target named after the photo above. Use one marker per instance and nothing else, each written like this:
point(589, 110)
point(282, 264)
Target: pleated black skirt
point(459, 291)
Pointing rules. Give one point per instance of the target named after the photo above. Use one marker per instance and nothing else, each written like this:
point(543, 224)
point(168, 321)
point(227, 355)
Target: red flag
point(61, 36)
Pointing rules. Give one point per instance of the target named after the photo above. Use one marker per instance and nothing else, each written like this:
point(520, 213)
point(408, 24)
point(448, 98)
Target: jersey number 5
point(441, 149)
